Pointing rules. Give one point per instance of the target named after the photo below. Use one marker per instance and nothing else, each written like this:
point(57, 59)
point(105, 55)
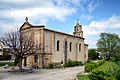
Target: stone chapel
point(56, 45)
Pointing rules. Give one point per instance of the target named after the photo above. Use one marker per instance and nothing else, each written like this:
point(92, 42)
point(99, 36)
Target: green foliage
point(5, 57)
point(117, 53)
point(9, 63)
point(108, 44)
point(51, 66)
point(16, 61)
point(83, 77)
point(117, 59)
point(90, 66)
point(100, 75)
point(107, 71)
point(92, 54)
point(71, 63)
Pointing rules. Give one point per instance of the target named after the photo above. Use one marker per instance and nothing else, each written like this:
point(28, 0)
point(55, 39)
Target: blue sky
point(95, 16)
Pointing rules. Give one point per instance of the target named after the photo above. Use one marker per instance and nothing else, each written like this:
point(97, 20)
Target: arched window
point(57, 45)
point(70, 46)
point(79, 47)
point(77, 28)
point(36, 58)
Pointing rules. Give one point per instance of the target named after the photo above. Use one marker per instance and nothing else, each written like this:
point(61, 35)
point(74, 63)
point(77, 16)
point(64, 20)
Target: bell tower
point(78, 30)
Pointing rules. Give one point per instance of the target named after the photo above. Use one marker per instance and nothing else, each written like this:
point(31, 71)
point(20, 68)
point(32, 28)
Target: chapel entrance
point(65, 52)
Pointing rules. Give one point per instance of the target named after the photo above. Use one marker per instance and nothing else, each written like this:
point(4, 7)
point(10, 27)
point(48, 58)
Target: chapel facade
point(55, 45)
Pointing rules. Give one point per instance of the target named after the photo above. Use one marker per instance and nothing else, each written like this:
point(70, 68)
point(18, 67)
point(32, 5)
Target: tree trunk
point(20, 64)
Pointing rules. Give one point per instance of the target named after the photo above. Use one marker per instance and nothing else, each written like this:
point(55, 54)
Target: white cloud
point(89, 31)
point(93, 30)
point(96, 27)
point(91, 43)
point(39, 11)
point(9, 26)
point(92, 6)
point(112, 22)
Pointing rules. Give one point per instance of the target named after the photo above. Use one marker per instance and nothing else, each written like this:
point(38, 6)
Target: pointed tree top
point(26, 19)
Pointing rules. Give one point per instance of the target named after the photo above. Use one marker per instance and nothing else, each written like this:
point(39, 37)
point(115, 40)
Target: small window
point(79, 47)
point(70, 46)
point(57, 45)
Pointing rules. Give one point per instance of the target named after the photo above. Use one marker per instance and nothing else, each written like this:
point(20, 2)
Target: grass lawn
point(83, 77)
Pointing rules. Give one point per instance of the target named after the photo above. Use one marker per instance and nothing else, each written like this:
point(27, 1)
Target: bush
point(51, 66)
point(16, 61)
point(108, 71)
point(71, 63)
point(90, 66)
point(100, 75)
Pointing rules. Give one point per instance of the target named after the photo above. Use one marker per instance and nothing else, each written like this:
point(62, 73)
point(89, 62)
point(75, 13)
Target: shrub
point(100, 75)
point(9, 63)
point(51, 66)
point(16, 61)
point(88, 61)
point(71, 63)
point(90, 66)
point(108, 71)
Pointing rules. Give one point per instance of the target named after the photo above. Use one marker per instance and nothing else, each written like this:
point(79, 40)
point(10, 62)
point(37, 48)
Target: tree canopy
point(108, 43)
point(92, 54)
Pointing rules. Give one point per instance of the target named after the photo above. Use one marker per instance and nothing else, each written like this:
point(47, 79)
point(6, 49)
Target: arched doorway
point(65, 54)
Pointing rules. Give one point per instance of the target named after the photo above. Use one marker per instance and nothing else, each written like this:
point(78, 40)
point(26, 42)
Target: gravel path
point(44, 74)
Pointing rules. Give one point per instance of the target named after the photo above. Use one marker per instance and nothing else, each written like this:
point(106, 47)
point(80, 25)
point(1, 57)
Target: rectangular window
point(79, 47)
point(70, 46)
point(57, 45)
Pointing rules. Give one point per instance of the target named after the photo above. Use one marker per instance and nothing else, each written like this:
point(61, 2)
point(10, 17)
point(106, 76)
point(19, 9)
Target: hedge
point(9, 63)
point(71, 63)
point(108, 71)
point(5, 57)
point(90, 66)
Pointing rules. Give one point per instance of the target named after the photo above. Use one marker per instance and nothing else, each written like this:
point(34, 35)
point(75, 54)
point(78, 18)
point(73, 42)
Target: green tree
point(92, 54)
point(117, 52)
point(108, 43)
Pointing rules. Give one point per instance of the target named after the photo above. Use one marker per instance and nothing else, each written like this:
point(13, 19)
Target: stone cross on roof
point(26, 19)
